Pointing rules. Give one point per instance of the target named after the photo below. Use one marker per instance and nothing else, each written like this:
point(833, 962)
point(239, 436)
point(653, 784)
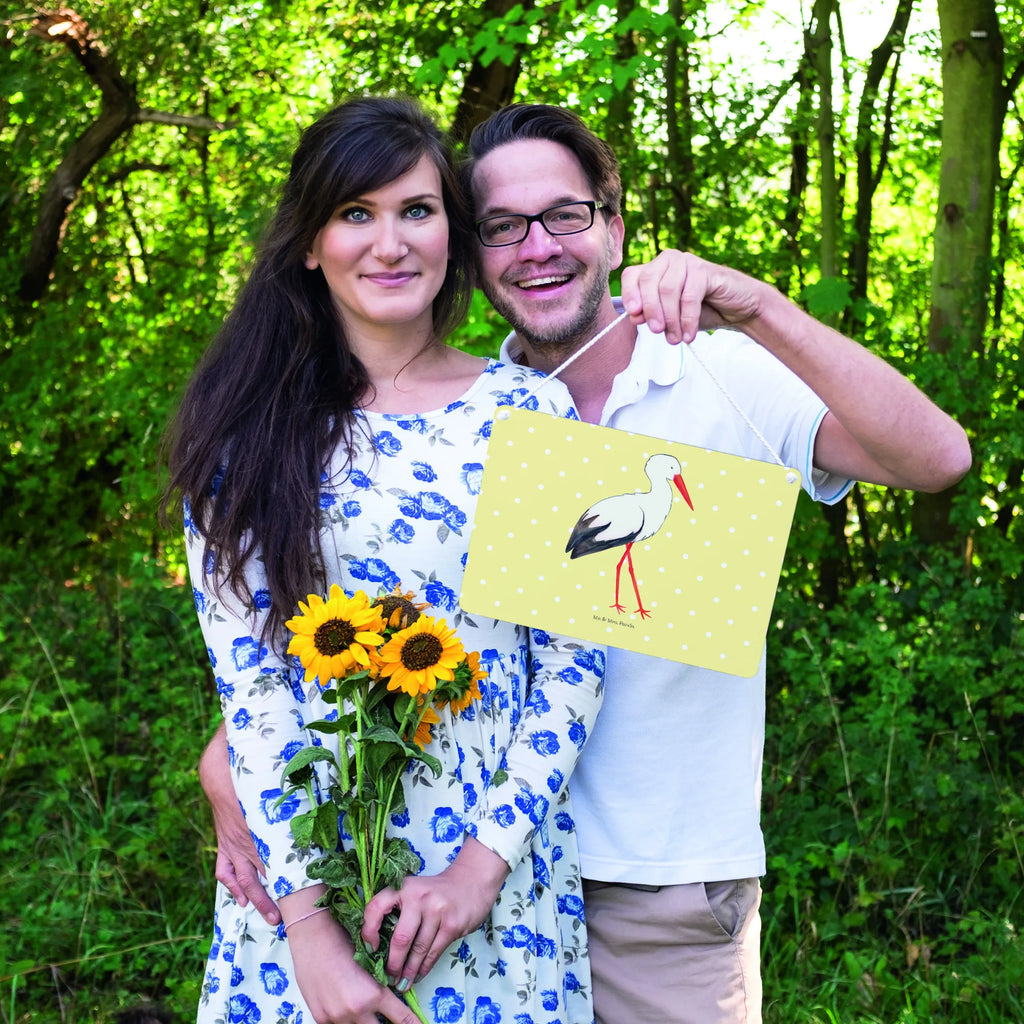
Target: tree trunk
point(973, 107)
point(486, 89)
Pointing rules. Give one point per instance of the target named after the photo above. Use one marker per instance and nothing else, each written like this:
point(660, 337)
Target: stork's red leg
point(644, 613)
point(618, 570)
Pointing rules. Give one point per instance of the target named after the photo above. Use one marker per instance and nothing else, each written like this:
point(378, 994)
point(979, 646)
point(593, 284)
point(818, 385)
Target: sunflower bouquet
point(389, 669)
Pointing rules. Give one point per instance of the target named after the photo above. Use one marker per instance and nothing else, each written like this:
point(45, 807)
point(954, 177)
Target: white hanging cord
point(791, 478)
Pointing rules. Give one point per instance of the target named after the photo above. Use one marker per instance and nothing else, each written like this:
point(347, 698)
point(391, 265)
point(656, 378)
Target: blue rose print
point(472, 476)
point(486, 1011)
point(218, 937)
point(247, 652)
point(448, 1005)
point(441, 596)
point(241, 718)
point(541, 874)
point(387, 444)
point(446, 825)
point(274, 979)
point(578, 734)
point(273, 811)
point(555, 780)
point(504, 815)
point(424, 472)
point(327, 500)
point(242, 1010)
point(289, 750)
point(261, 600)
point(546, 948)
point(571, 904)
point(455, 518)
point(237, 977)
point(433, 505)
point(199, 599)
point(374, 570)
point(357, 478)
point(573, 676)
point(545, 742)
point(414, 424)
point(539, 638)
point(261, 848)
point(538, 702)
point(549, 999)
point(351, 509)
point(282, 887)
point(519, 937)
point(533, 805)
point(590, 661)
point(564, 822)
point(401, 531)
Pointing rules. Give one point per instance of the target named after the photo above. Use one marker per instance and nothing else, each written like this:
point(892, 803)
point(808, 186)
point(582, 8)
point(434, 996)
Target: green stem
point(360, 832)
point(414, 1004)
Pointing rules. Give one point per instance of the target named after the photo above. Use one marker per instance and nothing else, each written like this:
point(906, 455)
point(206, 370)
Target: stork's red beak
point(678, 481)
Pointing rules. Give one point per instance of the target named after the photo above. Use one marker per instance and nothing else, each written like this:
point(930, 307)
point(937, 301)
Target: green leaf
point(828, 297)
point(302, 826)
point(299, 767)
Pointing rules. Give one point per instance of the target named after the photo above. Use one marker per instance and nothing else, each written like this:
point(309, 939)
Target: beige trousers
point(675, 954)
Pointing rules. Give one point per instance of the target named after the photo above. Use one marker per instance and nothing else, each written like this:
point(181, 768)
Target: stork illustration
point(629, 518)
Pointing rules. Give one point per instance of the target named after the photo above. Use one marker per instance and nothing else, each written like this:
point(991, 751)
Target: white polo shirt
point(668, 788)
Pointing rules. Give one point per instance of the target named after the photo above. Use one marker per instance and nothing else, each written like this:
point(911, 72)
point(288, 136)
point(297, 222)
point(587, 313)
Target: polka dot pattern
point(707, 577)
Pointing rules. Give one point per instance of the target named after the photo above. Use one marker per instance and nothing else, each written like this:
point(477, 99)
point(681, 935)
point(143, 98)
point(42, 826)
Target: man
point(667, 791)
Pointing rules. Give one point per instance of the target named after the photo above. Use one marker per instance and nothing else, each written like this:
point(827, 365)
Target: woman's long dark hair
point(275, 394)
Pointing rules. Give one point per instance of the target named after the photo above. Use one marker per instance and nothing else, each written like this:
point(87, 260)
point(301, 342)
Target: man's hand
point(435, 910)
point(238, 864)
point(678, 293)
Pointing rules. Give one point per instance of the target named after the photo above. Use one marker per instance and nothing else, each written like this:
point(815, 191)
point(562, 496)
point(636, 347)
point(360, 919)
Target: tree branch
point(119, 113)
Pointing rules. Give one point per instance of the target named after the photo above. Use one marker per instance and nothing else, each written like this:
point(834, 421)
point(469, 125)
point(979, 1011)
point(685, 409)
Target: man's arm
point(238, 864)
point(880, 427)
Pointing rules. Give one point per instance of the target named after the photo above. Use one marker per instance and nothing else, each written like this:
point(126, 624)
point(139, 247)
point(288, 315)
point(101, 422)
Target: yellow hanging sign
point(631, 541)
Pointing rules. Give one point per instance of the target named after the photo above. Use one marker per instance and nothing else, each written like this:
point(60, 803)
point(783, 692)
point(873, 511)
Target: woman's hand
point(336, 989)
point(435, 910)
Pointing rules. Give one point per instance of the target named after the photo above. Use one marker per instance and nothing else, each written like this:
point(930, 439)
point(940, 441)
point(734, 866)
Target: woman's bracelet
point(305, 917)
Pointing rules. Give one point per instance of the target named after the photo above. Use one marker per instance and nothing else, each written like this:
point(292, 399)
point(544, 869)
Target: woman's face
point(385, 254)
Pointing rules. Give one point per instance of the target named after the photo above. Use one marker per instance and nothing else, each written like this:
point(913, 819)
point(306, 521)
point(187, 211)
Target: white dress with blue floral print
point(402, 516)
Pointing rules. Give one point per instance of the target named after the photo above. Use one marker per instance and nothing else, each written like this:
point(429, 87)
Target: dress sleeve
point(264, 707)
point(566, 683)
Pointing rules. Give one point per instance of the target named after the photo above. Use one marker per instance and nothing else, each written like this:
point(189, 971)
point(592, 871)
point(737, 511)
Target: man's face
point(552, 289)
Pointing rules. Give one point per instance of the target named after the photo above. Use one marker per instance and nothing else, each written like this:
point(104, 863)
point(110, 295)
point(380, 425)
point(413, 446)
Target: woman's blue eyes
point(357, 215)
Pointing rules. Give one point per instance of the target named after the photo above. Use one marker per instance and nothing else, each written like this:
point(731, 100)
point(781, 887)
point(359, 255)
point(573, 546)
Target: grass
point(893, 811)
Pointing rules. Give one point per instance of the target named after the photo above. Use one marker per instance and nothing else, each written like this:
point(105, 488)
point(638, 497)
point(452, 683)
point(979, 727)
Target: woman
point(330, 436)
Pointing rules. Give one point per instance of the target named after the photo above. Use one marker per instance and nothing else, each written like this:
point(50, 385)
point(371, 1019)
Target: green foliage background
point(893, 801)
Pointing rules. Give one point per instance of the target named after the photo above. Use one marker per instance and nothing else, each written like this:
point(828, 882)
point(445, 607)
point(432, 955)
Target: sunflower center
point(334, 636)
point(421, 651)
point(391, 603)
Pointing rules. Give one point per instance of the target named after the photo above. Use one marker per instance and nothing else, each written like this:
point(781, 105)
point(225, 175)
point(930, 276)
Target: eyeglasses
point(564, 219)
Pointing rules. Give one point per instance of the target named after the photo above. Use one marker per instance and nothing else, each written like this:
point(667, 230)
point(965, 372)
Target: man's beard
point(564, 337)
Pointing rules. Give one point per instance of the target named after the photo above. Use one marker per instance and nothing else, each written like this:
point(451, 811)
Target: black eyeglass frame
point(593, 205)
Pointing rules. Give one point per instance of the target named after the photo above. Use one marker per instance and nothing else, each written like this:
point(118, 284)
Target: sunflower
point(417, 657)
point(424, 734)
point(332, 637)
point(399, 610)
point(472, 692)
